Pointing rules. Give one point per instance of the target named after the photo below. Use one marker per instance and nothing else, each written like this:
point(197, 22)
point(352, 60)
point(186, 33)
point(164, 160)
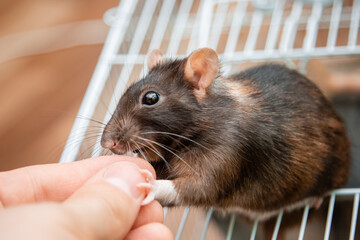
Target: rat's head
point(155, 111)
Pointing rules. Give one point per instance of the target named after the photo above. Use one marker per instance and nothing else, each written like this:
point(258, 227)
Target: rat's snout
point(110, 140)
point(109, 143)
point(114, 145)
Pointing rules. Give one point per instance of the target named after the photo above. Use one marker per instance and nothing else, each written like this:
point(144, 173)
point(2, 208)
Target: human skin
point(78, 201)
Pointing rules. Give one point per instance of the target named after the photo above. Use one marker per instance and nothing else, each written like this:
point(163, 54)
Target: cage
point(243, 32)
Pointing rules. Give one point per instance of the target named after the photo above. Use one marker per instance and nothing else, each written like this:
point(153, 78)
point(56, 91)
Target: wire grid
point(290, 31)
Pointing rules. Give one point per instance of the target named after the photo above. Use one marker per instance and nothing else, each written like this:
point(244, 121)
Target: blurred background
point(48, 52)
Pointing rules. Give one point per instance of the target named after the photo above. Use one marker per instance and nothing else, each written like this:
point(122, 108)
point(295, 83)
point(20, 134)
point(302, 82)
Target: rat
point(254, 142)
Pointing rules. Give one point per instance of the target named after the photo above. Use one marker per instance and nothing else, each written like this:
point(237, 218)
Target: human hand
point(76, 201)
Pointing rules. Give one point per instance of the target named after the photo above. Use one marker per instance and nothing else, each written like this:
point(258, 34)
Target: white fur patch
point(165, 192)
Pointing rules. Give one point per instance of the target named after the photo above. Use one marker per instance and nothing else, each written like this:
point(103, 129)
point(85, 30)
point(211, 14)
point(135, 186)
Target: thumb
point(107, 206)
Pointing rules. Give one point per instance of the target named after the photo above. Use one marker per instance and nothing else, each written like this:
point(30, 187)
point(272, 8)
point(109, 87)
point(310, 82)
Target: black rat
point(254, 142)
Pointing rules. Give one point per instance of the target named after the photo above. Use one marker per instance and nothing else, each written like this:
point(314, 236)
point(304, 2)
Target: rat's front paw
point(165, 192)
point(147, 186)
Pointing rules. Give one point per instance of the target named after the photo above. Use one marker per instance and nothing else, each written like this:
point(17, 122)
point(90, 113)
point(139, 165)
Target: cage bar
point(231, 227)
point(334, 24)
point(98, 79)
point(162, 22)
point(312, 27)
point(329, 216)
point(207, 222)
point(277, 225)
point(354, 216)
point(354, 26)
point(290, 27)
point(235, 28)
point(179, 27)
point(205, 24)
point(182, 223)
point(166, 209)
point(219, 20)
point(254, 31)
point(303, 222)
point(274, 26)
point(254, 229)
point(139, 37)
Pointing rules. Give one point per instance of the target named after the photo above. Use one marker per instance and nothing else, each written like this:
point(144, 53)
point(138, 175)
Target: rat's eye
point(150, 98)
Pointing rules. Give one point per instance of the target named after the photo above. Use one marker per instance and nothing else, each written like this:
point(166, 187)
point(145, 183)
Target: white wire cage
point(241, 32)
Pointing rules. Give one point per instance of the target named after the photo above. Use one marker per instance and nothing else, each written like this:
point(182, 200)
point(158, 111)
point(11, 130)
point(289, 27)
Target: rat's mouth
point(139, 150)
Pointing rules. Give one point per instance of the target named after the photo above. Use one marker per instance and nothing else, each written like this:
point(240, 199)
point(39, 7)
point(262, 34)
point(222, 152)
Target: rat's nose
point(109, 144)
point(114, 146)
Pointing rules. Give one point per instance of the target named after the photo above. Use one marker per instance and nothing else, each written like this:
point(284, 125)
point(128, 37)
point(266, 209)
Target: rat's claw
point(147, 175)
point(147, 186)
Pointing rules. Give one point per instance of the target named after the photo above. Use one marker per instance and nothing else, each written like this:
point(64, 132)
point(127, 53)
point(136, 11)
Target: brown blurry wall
point(48, 52)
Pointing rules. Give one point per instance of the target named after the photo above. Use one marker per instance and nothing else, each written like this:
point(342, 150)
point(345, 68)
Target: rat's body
point(255, 142)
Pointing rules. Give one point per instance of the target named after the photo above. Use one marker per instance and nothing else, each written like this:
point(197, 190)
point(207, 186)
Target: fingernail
point(125, 176)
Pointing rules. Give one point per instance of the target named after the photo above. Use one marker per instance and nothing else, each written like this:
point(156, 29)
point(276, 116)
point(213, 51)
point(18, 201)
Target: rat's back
point(299, 135)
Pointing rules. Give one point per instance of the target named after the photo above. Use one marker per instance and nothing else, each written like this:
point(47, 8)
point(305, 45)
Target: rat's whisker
point(90, 127)
point(190, 150)
point(167, 149)
point(153, 149)
point(117, 122)
point(108, 152)
point(186, 138)
point(75, 141)
point(90, 119)
point(141, 152)
point(96, 150)
point(86, 151)
point(177, 135)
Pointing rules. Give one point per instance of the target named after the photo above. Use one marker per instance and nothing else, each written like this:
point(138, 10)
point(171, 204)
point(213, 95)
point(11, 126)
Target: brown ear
point(154, 58)
point(201, 69)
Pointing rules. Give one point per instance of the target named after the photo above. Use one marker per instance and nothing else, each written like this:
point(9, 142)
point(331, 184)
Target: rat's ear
point(154, 58)
point(201, 69)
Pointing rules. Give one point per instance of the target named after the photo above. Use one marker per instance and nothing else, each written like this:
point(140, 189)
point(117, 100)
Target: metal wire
point(254, 31)
point(329, 217)
point(274, 26)
point(277, 225)
point(166, 209)
point(254, 229)
point(207, 222)
point(303, 222)
point(97, 82)
point(231, 227)
point(354, 216)
point(182, 223)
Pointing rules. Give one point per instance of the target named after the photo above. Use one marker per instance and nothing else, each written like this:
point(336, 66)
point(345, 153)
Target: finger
point(151, 231)
point(54, 182)
point(107, 205)
point(152, 212)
